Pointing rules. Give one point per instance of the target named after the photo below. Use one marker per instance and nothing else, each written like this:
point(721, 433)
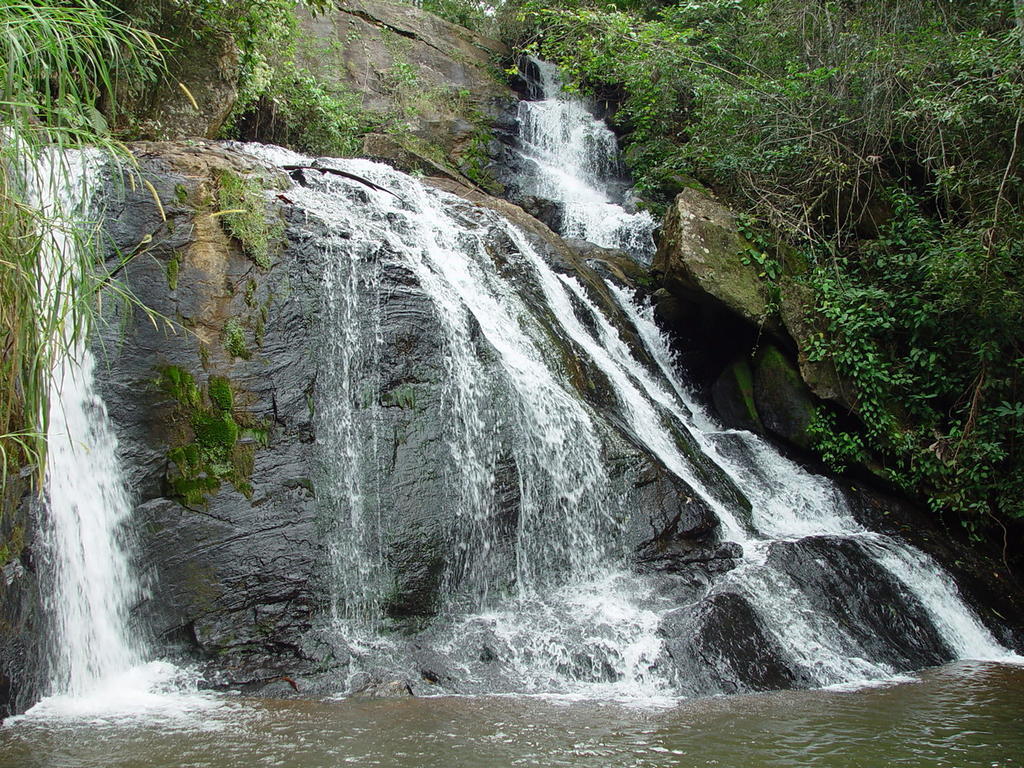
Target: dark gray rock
point(840, 579)
point(22, 629)
point(733, 396)
point(720, 646)
point(547, 211)
point(784, 403)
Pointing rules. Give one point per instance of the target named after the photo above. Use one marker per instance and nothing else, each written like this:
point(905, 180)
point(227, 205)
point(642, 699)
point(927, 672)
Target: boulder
point(720, 646)
point(699, 259)
point(804, 325)
point(884, 619)
point(403, 61)
point(733, 397)
point(783, 402)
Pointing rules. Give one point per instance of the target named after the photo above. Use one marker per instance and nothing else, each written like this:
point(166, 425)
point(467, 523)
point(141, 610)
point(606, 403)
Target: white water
point(94, 656)
point(87, 506)
point(561, 591)
point(573, 159)
point(790, 503)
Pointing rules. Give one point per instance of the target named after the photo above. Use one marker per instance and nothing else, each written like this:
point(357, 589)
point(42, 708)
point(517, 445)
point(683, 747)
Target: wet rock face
point(237, 557)
point(21, 622)
point(228, 524)
point(784, 403)
point(720, 646)
point(869, 604)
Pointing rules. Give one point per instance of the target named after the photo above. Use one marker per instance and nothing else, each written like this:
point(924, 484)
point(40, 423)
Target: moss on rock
point(784, 402)
point(244, 207)
point(218, 444)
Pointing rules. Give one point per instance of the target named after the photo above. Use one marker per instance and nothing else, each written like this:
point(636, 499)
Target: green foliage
point(884, 142)
point(926, 323)
point(219, 444)
point(246, 218)
point(472, 14)
point(296, 110)
point(800, 111)
point(234, 340)
point(61, 66)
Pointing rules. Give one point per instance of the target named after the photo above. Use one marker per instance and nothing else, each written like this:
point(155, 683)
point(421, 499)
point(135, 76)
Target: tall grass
point(61, 67)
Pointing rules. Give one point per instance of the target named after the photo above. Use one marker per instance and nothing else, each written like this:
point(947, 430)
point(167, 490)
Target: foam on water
point(156, 692)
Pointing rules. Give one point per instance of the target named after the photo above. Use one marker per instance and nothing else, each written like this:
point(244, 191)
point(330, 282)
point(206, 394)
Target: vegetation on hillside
point(884, 141)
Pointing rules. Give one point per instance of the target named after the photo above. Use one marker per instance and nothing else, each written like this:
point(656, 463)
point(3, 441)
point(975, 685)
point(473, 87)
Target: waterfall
point(546, 588)
point(95, 659)
point(87, 506)
point(571, 158)
point(537, 594)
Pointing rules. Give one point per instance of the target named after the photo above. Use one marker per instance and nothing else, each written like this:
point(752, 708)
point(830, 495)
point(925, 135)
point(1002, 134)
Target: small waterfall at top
point(572, 159)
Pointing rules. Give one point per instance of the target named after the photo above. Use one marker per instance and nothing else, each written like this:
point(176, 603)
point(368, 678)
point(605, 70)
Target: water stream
point(542, 388)
point(94, 657)
point(571, 158)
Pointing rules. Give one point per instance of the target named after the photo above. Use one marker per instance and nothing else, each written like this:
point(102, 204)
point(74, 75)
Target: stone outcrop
point(406, 65)
point(700, 258)
point(747, 337)
point(211, 405)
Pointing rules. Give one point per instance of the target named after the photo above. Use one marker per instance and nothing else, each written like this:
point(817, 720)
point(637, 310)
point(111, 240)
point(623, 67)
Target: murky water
point(962, 715)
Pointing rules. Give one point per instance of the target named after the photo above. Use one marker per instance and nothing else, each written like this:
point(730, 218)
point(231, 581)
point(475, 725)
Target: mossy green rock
point(784, 403)
point(796, 306)
point(733, 395)
point(700, 257)
point(400, 60)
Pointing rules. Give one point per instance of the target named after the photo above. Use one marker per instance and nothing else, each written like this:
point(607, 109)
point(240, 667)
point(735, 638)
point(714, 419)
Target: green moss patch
point(173, 268)
point(13, 547)
point(219, 444)
point(234, 340)
point(258, 231)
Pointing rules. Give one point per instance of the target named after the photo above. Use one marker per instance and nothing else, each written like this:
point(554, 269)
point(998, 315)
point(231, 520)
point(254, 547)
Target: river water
point(961, 715)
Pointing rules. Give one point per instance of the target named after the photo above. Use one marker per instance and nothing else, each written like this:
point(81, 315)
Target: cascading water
point(537, 593)
point(571, 158)
point(95, 660)
point(790, 504)
point(87, 506)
